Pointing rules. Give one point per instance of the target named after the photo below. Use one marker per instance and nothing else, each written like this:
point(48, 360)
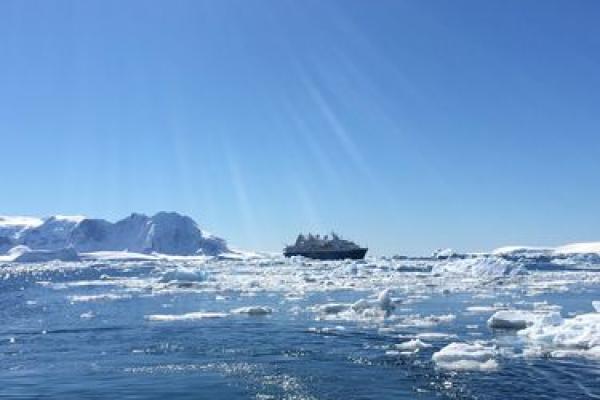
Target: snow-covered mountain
point(165, 232)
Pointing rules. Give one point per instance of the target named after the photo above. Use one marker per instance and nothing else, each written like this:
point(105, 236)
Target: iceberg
point(53, 234)
point(11, 228)
point(166, 233)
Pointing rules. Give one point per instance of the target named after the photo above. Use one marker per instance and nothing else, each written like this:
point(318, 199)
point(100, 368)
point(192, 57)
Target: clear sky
point(405, 125)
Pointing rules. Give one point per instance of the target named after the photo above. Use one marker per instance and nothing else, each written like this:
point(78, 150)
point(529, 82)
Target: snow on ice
point(466, 357)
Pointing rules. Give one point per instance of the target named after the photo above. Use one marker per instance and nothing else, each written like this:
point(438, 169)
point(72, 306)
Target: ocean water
point(174, 329)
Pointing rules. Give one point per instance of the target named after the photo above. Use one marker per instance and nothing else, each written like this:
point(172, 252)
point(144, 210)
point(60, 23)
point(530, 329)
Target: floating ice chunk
point(466, 357)
point(428, 321)
point(414, 344)
point(579, 335)
point(512, 319)
point(361, 305)
point(185, 317)
point(435, 336)
point(253, 310)
point(384, 299)
point(594, 353)
point(183, 274)
point(325, 330)
point(384, 302)
point(479, 267)
point(481, 309)
point(522, 251)
point(87, 315)
point(544, 306)
point(98, 297)
point(444, 253)
point(596, 305)
point(333, 308)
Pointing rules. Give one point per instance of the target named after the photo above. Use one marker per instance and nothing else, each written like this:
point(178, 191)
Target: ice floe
point(183, 274)
point(479, 267)
point(185, 317)
point(559, 337)
point(428, 321)
point(98, 297)
point(435, 336)
point(252, 310)
point(466, 357)
point(521, 250)
point(412, 345)
point(444, 254)
point(482, 309)
point(333, 308)
point(512, 319)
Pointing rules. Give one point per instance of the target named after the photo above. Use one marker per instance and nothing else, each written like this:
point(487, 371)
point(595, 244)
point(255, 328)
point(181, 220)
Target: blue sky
point(406, 125)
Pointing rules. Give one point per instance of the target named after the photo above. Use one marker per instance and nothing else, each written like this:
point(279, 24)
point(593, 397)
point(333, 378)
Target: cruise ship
point(325, 248)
